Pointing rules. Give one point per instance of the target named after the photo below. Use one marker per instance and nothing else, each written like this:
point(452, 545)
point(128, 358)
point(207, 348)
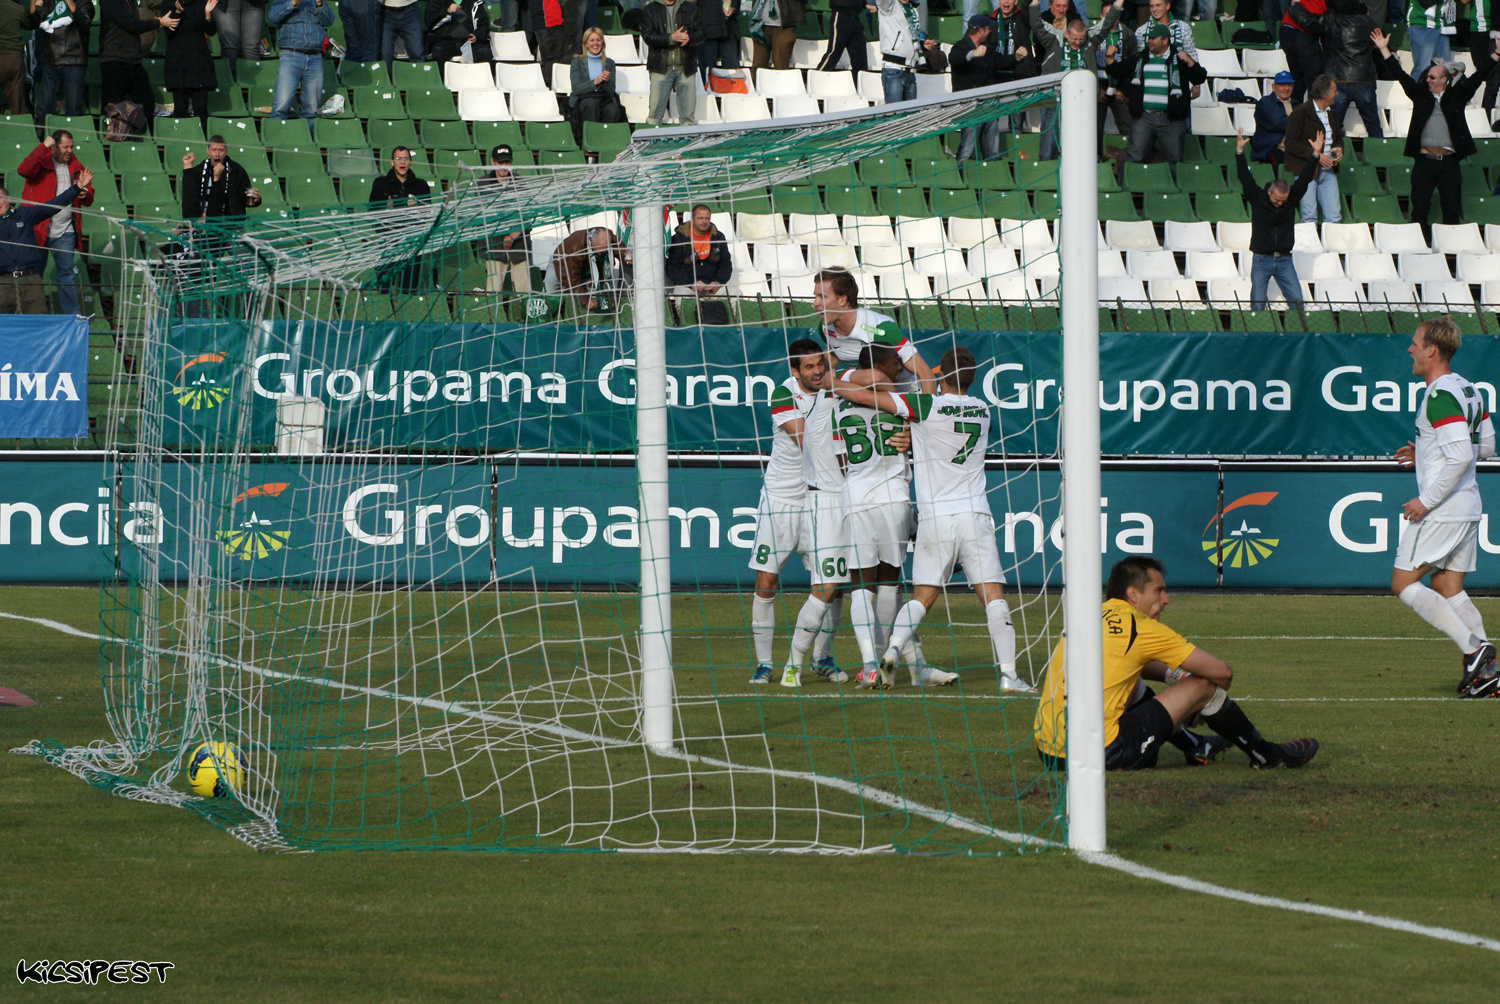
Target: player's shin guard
point(1433, 609)
point(862, 619)
point(887, 598)
point(762, 625)
point(809, 623)
point(1002, 635)
point(906, 624)
point(1225, 717)
point(831, 619)
point(1469, 614)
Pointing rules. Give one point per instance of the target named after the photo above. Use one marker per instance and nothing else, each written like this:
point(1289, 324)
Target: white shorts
point(880, 527)
point(780, 529)
point(827, 540)
point(965, 536)
point(1449, 547)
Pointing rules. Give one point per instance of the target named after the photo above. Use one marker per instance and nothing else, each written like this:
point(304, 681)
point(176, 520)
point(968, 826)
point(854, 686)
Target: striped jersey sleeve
point(783, 407)
point(914, 407)
point(888, 332)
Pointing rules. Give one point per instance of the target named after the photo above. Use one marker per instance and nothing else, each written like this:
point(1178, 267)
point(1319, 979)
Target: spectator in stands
point(1272, 227)
point(1157, 83)
point(1068, 47)
point(1117, 43)
point(593, 96)
point(510, 15)
point(1271, 113)
point(62, 55)
point(49, 169)
point(1302, 30)
point(1429, 33)
point(362, 29)
point(1480, 32)
point(904, 45)
point(451, 25)
point(1180, 32)
point(670, 30)
point(1351, 61)
point(121, 75)
point(973, 62)
point(301, 29)
point(509, 253)
point(846, 33)
point(240, 23)
point(721, 36)
point(698, 261)
point(556, 23)
point(583, 265)
point(1012, 38)
point(219, 188)
point(1314, 117)
point(188, 70)
point(12, 74)
point(401, 20)
point(1435, 143)
point(21, 259)
point(773, 32)
point(396, 189)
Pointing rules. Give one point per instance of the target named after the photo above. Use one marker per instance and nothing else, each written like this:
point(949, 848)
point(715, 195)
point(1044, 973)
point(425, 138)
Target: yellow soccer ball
point(215, 768)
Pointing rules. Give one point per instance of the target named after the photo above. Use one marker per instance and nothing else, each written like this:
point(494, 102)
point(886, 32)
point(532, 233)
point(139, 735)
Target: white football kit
point(877, 492)
point(826, 547)
point(1453, 433)
point(781, 518)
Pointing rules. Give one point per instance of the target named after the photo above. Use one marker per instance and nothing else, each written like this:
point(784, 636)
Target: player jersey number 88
point(865, 436)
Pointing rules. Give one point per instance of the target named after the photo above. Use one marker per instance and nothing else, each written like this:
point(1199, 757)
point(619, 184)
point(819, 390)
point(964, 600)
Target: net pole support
point(649, 257)
point(1082, 566)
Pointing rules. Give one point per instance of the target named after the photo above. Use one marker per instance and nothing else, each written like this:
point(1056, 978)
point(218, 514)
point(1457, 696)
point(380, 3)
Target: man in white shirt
point(1442, 523)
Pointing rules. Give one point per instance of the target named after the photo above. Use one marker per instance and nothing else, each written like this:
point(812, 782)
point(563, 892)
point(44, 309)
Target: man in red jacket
point(48, 170)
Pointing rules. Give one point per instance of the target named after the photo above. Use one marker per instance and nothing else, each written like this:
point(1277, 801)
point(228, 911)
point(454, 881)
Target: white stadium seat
point(534, 106)
point(832, 254)
point(743, 108)
point(1012, 287)
point(1230, 294)
point(1264, 62)
point(903, 285)
point(966, 233)
point(1189, 237)
point(1220, 63)
point(1448, 295)
point(1026, 235)
point(1111, 264)
point(520, 77)
point(1392, 291)
point(1489, 294)
point(869, 231)
point(831, 84)
point(1175, 292)
point(1388, 94)
point(795, 287)
point(914, 230)
point(1152, 265)
point(1416, 267)
point(1400, 237)
point(959, 287)
point(1130, 291)
point(758, 227)
point(1233, 236)
point(1211, 121)
point(884, 256)
point(484, 105)
point(1337, 291)
point(1374, 266)
point(1481, 267)
point(622, 49)
point(1203, 266)
point(1305, 238)
point(1314, 267)
point(844, 104)
point(931, 259)
point(871, 88)
point(1465, 237)
point(510, 47)
point(780, 83)
point(748, 282)
point(1492, 236)
point(992, 260)
point(1346, 238)
point(1133, 235)
point(632, 80)
point(468, 76)
point(806, 53)
point(637, 107)
point(806, 228)
point(798, 106)
point(562, 81)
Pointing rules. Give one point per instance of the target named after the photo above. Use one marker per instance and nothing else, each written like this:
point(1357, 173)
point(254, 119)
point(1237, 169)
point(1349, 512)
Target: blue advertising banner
point(44, 375)
point(560, 389)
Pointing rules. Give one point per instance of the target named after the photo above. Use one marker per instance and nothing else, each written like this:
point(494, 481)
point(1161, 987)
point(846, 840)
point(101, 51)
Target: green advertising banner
point(560, 389)
point(1282, 526)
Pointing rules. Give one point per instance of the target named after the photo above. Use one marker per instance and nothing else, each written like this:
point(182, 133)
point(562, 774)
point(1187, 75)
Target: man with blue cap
point(1271, 113)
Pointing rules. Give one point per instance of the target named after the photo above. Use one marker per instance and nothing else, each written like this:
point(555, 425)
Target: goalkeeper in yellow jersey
point(1137, 646)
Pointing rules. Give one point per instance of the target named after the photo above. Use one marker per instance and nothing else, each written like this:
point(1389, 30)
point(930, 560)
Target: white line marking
point(890, 800)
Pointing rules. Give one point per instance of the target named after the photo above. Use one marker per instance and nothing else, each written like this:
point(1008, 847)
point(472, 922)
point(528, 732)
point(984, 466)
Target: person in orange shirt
point(698, 257)
point(1137, 722)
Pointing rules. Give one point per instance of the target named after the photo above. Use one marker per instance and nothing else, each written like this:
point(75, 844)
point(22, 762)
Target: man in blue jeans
point(301, 29)
point(362, 29)
point(401, 19)
point(1273, 220)
point(904, 45)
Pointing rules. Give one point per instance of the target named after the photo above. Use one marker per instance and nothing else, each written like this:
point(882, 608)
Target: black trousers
point(1444, 175)
point(127, 81)
point(846, 31)
point(1304, 58)
point(597, 107)
point(191, 104)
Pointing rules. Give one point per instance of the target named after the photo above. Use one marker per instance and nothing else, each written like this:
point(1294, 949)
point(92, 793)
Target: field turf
point(1396, 817)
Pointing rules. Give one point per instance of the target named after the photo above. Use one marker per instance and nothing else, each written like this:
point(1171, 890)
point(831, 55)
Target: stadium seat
point(1489, 294)
point(520, 77)
point(437, 134)
point(345, 133)
point(1399, 237)
point(379, 101)
point(1345, 238)
point(535, 106)
point(1422, 267)
point(1318, 266)
point(1458, 239)
point(1306, 239)
point(883, 256)
point(1364, 319)
point(1203, 266)
point(304, 159)
point(1117, 206)
point(1152, 265)
point(385, 135)
point(311, 190)
point(1376, 209)
point(1111, 263)
point(1336, 291)
point(135, 158)
point(1140, 178)
point(780, 83)
point(810, 228)
point(992, 260)
point(427, 104)
point(170, 132)
point(1170, 206)
point(793, 106)
point(828, 84)
point(511, 47)
point(1211, 121)
point(1123, 235)
point(549, 136)
point(965, 232)
point(468, 76)
point(1449, 295)
point(633, 80)
point(150, 189)
point(831, 254)
point(1370, 267)
point(1128, 291)
point(483, 105)
point(936, 260)
point(416, 75)
point(743, 108)
point(761, 227)
point(608, 139)
point(1478, 268)
point(1391, 291)
point(1263, 62)
point(1179, 236)
point(622, 49)
point(1026, 235)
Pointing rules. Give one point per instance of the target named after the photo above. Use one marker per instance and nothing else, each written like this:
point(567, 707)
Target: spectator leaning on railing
point(1271, 113)
point(1272, 227)
point(1435, 142)
point(62, 56)
point(1351, 61)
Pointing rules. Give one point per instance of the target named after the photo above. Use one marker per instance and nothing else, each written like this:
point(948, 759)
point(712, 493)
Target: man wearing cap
point(1158, 84)
point(508, 253)
point(1272, 227)
point(1435, 142)
point(975, 63)
point(1180, 33)
point(1069, 45)
point(1271, 113)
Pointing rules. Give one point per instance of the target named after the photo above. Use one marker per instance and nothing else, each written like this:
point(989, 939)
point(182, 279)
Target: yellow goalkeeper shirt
point(1131, 640)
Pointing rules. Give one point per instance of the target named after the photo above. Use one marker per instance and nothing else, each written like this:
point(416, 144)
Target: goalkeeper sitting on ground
point(1136, 721)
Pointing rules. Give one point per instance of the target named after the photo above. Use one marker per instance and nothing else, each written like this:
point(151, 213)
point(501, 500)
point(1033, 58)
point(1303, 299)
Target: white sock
point(824, 643)
point(1002, 635)
point(1469, 614)
point(762, 625)
point(809, 621)
point(887, 599)
point(1435, 610)
point(862, 618)
point(906, 623)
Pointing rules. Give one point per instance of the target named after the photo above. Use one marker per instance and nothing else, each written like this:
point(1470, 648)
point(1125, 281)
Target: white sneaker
point(1015, 685)
point(791, 677)
point(931, 676)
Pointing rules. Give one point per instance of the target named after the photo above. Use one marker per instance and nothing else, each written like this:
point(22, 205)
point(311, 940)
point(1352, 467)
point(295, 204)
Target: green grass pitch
point(1396, 817)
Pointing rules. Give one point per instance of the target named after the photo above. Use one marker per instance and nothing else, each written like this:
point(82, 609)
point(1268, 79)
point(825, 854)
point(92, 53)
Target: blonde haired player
point(1442, 522)
point(950, 431)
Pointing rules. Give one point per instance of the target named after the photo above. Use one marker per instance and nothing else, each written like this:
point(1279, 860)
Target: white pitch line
point(892, 800)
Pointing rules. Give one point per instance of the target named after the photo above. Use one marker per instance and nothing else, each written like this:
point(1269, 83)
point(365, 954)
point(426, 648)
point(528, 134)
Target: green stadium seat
point(172, 131)
point(1481, 209)
point(146, 189)
point(272, 201)
point(945, 29)
point(414, 76)
point(607, 139)
point(431, 101)
point(256, 72)
point(1032, 317)
point(345, 163)
point(1374, 322)
point(941, 173)
point(422, 307)
point(488, 135)
point(920, 150)
point(1142, 178)
point(353, 75)
point(550, 136)
point(1144, 319)
point(1044, 204)
point(1117, 206)
point(371, 305)
point(377, 101)
point(1192, 319)
point(1162, 206)
point(303, 160)
point(883, 169)
point(345, 133)
point(1356, 180)
point(1192, 150)
point(895, 201)
point(1374, 209)
point(480, 308)
point(956, 202)
point(1384, 152)
point(1219, 150)
point(251, 158)
point(1222, 207)
point(354, 190)
point(857, 201)
point(259, 100)
point(1227, 30)
point(437, 134)
point(1107, 319)
point(1107, 182)
point(1007, 205)
point(385, 135)
point(1201, 178)
point(755, 311)
point(451, 164)
point(235, 128)
point(1206, 35)
point(1468, 322)
point(990, 175)
point(559, 158)
point(1254, 320)
point(135, 158)
point(969, 316)
point(1038, 176)
point(310, 190)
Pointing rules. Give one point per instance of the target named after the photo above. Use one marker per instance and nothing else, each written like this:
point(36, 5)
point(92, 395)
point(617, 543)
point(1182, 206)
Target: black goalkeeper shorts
point(1142, 731)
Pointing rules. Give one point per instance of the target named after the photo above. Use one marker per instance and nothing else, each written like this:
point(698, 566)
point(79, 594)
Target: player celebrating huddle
point(949, 435)
point(848, 327)
point(781, 523)
point(1442, 529)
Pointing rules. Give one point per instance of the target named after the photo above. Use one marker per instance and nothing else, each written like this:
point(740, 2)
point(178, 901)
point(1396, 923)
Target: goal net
point(461, 564)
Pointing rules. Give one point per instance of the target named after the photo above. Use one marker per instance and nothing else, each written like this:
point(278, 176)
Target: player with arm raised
point(782, 524)
point(949, 435)
point(1442, 528)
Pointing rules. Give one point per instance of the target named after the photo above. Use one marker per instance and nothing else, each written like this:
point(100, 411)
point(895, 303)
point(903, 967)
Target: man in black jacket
point(1273, 223)
point(396, 189)
point(1158, 83)
point(219, 188)
point(121, 75)
point(975, 62)
point(21, 259)
point(1435, 143)
point(672, 36)
point(846, 33)
point(64, 54)
point(698, 258)
point(1351, 61)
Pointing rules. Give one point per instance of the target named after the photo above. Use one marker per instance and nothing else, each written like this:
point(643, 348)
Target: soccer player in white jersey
point(781, 522)
point(848, 327)
point(950, 431)
point(1442, 528)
